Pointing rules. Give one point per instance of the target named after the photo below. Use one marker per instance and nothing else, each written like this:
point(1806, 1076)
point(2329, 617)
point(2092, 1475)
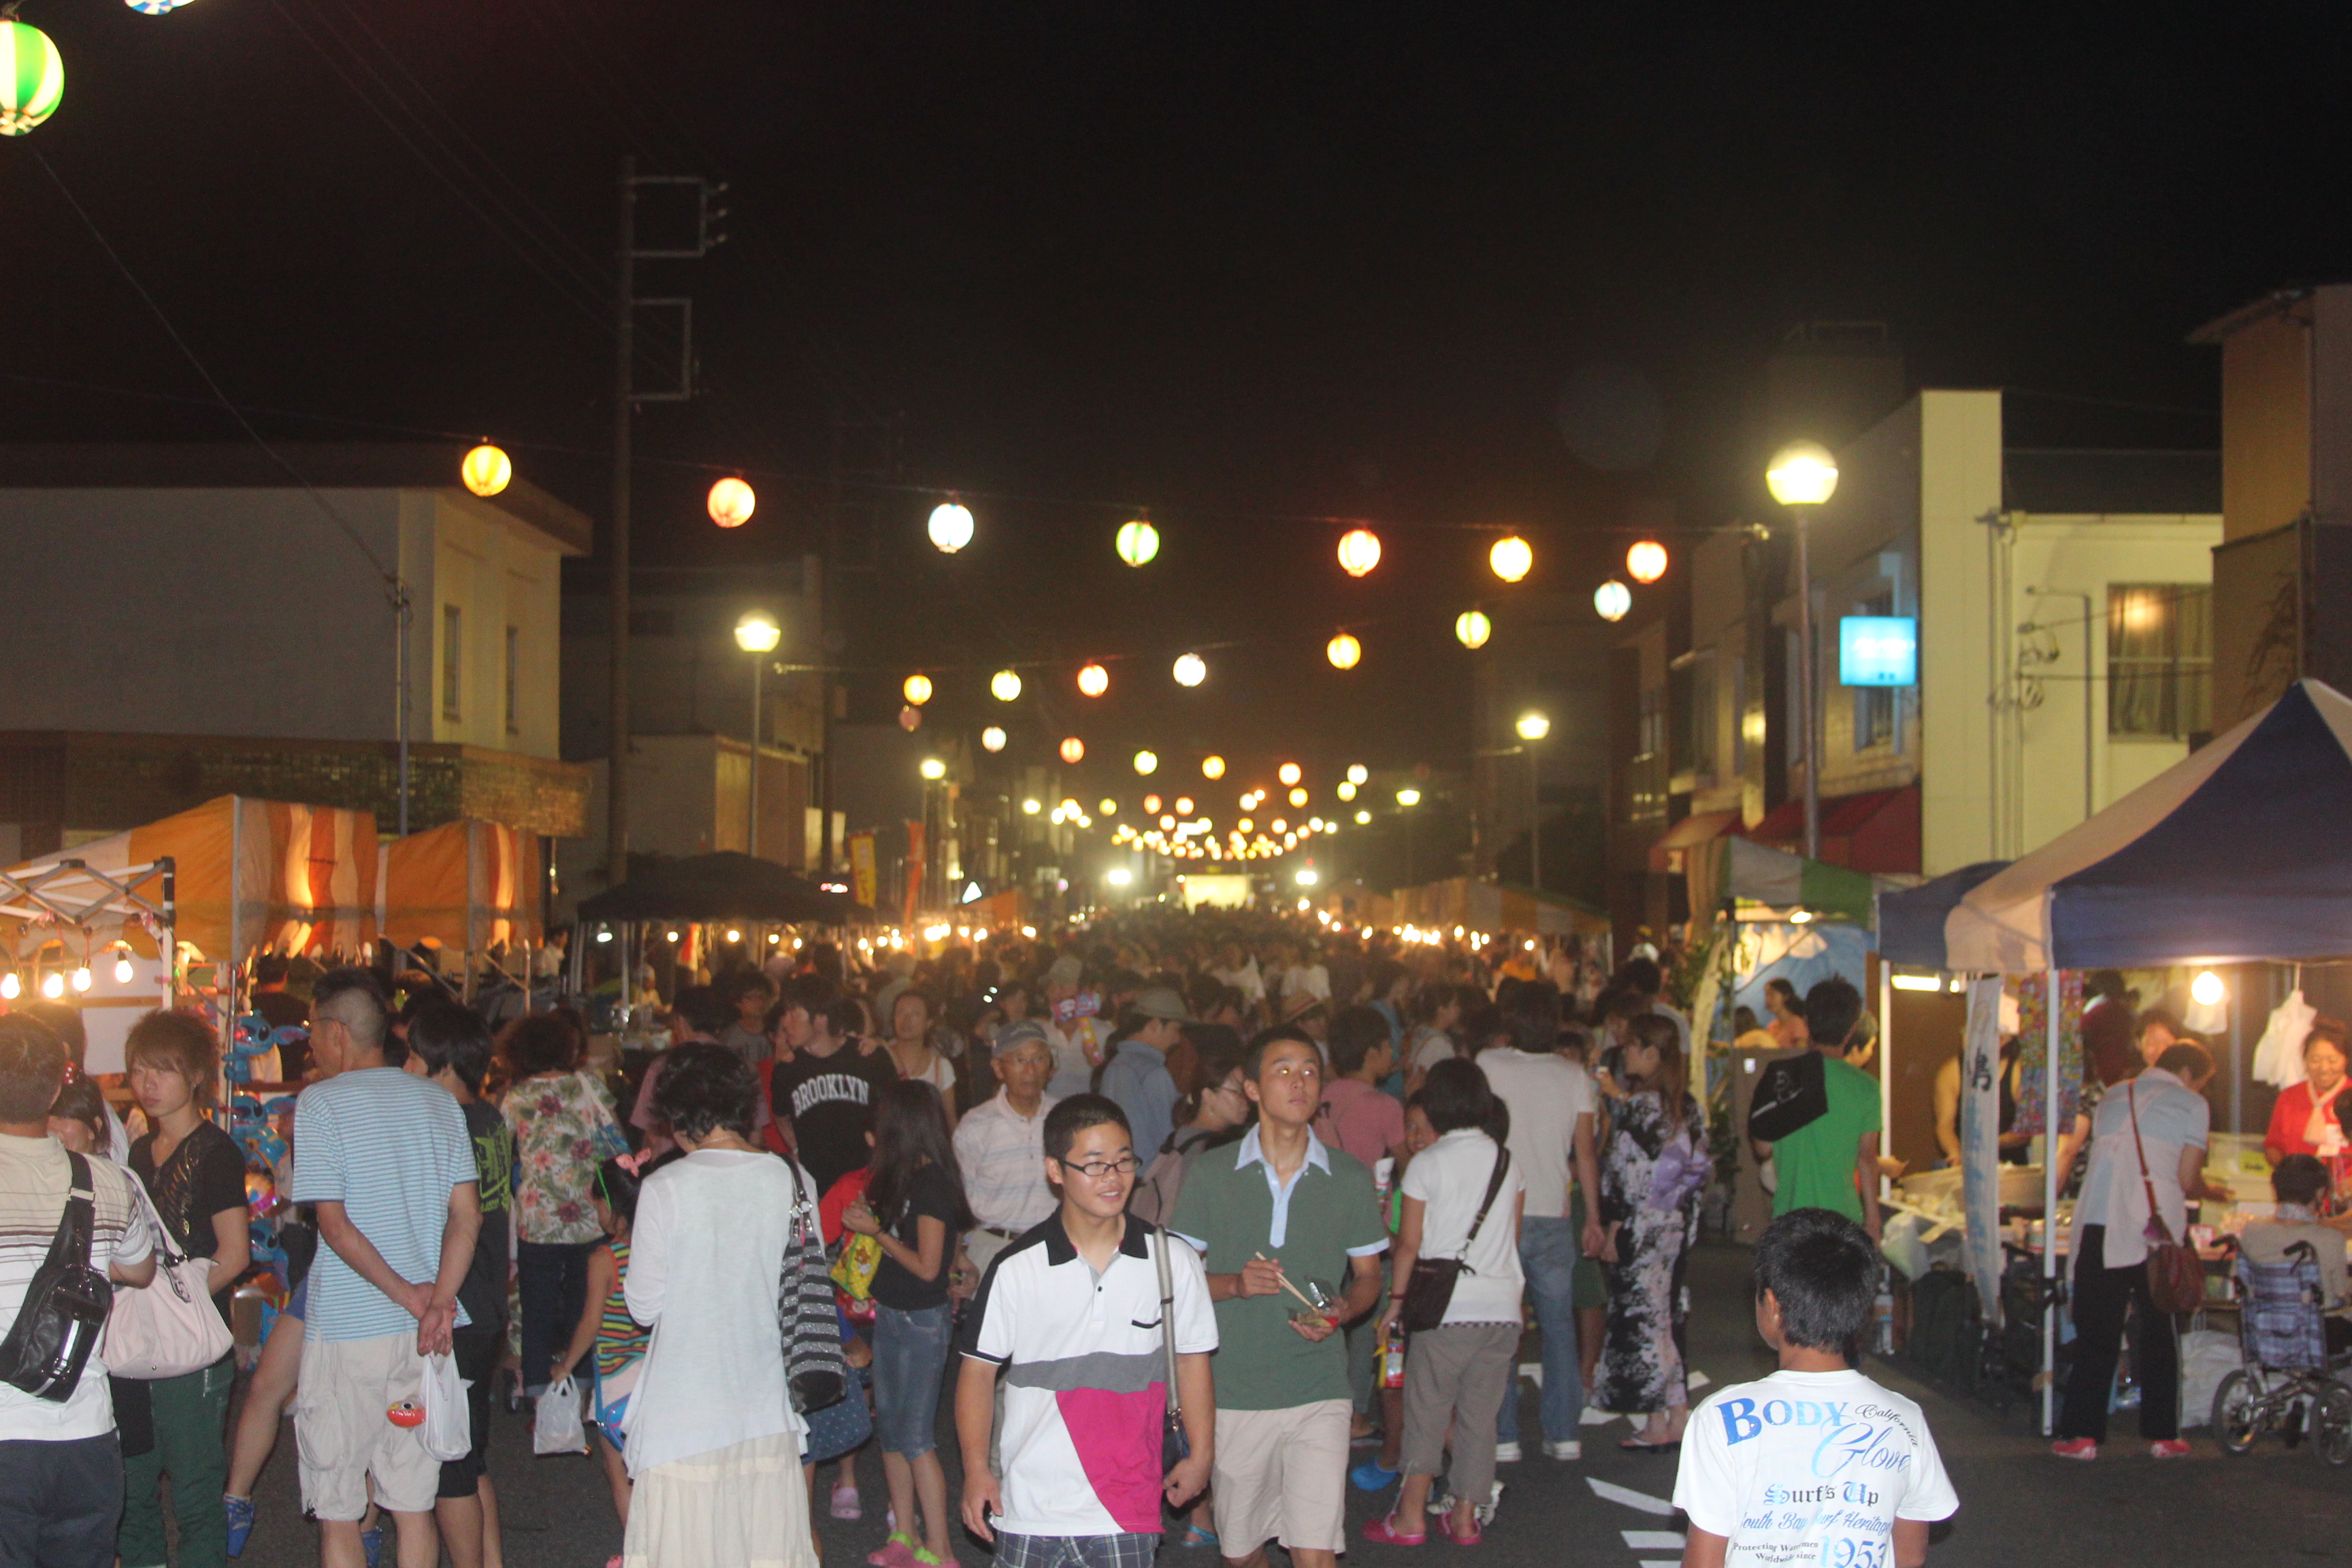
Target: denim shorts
point(910, 1354)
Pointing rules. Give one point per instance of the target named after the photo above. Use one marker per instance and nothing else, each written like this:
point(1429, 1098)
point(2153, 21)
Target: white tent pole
point(1885, 1070)
point(2049, 1196)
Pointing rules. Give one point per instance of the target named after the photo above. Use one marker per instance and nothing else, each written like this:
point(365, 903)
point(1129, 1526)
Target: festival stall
point(236, 877)
point(726, 886)
point(1494, 907)
point(2235, 854)
point(468, 888)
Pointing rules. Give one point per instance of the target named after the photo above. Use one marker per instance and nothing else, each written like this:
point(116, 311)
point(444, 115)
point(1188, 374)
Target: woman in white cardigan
point(714, 1445)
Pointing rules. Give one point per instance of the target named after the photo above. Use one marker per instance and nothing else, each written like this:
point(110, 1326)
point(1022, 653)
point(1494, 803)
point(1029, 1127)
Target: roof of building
point(2115, 481)
point(327, 465)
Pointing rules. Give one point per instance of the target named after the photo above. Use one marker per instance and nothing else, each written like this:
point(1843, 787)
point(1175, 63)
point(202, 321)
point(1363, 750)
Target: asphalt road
point(2018, 1504)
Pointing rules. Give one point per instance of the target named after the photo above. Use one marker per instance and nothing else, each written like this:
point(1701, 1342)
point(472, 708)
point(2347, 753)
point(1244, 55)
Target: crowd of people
point(1314, 1188)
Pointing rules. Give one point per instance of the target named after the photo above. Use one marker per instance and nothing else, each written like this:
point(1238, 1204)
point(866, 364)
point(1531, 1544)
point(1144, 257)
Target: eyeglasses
point(1095, 1171)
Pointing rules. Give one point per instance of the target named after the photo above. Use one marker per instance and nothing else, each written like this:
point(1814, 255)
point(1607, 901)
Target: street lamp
point(756, 633)
point(1804, 476)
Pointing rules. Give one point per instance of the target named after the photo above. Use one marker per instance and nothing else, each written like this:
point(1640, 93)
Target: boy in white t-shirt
point(1815, 1464)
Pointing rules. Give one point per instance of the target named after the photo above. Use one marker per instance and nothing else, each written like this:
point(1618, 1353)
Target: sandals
point(1195, 1536)
point(1383, 1532)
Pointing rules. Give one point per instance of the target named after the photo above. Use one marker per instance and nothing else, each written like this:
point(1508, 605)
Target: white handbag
point(171, 1328)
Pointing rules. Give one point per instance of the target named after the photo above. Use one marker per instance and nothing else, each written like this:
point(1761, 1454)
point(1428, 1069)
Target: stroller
point(2288, 1384)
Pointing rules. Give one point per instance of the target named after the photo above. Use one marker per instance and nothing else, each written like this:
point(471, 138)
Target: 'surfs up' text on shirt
point(1810, 1469)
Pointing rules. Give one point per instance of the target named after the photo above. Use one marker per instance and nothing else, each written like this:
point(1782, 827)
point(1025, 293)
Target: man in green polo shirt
point(1832, 1162)
point(1281, 1207)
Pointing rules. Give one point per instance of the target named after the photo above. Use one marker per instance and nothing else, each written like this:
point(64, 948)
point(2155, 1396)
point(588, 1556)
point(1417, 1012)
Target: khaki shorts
point(345, 1434)
point(1282, 1475)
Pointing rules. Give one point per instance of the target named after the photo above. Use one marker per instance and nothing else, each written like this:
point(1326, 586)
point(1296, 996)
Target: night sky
point(1248, 266)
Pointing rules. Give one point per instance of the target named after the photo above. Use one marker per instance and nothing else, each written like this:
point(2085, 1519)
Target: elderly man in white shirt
point(1001, 1145)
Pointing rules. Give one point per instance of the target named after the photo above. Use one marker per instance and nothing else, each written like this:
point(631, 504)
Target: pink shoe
point(1471, 1539)
point(2169, 1448)
point(1383, 1531)
point(847, 1504)
point(898, 1552)
point(2078, 1448)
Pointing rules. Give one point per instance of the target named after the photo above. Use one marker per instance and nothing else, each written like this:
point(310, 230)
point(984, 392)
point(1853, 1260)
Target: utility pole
point(626, 398)
point(625, 339)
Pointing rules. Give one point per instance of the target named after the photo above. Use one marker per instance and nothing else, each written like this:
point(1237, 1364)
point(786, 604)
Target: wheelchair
point(2288, 1385)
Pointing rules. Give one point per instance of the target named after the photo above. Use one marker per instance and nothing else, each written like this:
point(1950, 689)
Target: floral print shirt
point(564, 1128)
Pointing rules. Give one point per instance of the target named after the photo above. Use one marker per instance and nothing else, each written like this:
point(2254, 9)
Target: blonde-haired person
point(194, 1173)
point(1652, 1170)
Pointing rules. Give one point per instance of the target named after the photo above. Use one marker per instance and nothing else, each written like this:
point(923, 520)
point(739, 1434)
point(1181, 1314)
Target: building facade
point(188, 620)
point(2058, 608)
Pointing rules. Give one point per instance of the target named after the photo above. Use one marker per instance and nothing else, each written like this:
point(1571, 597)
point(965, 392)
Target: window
point(1738, 685)
point(514, 680)
point(2159, 658)
point(1645, 778)
point(1873, 706)
point(452, 665)
point(1702, 717)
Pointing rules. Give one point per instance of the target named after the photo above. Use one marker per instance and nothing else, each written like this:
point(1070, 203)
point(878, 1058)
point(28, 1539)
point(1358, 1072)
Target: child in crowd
point(915, 1206)
point(607, 1327)
point(1815, 1463)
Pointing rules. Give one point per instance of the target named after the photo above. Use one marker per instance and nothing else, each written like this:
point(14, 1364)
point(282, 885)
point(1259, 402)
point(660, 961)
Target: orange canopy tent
point(251, 874)
point(465, 885)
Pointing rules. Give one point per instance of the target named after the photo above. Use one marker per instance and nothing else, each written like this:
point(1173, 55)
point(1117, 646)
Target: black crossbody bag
point(1429, 1289)
point(64, 1311)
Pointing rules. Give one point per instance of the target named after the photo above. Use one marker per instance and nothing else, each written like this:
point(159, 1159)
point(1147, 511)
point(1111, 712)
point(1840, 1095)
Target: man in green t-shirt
point(1832, 1162)
point(1280, 1208)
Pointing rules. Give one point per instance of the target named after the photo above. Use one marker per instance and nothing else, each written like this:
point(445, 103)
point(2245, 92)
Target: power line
point(589, 301)
point(390, 578)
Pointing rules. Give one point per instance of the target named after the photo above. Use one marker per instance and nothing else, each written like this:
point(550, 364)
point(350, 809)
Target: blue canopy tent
point(1911, 919)
point(2237, 854)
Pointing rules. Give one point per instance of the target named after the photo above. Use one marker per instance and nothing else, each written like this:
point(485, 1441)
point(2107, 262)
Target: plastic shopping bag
point(559, 1429)
point(448, 1425)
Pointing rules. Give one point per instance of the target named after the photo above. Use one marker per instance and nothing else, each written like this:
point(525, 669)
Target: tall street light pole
point(756, 633)
point(1534, 726)
point(1802, 477)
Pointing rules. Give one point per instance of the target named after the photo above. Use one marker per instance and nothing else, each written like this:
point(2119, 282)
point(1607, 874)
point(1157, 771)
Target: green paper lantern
point(32, 77)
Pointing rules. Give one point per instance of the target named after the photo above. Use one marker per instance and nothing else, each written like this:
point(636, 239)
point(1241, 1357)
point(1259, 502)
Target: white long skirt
point(739, 1506)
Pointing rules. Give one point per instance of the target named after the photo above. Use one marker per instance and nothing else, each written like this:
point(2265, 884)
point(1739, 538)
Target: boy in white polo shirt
point(1815, 1463)
point(1071, 1314)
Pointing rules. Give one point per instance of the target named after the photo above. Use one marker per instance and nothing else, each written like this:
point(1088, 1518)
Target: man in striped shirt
point(386, 1158)
point(60, 1464)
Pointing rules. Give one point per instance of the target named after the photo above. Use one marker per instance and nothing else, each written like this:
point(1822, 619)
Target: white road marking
point(1596, 1417)
point(1609, 1492)
point(1655, 1539)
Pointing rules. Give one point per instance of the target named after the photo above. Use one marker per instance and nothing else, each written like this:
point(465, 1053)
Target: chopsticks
point(1293, 1289)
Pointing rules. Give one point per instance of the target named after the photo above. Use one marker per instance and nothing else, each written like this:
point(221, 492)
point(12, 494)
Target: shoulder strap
point(2147, 1183)
point(1493, 1185)
point(1167, 1315)
point(77, 1227)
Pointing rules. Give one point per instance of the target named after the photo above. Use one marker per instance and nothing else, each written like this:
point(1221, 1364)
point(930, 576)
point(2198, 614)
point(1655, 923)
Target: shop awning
point(1665, 855)
point(1873, 830)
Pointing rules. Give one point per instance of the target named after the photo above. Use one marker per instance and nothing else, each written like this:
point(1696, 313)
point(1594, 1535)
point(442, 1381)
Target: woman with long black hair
point(1653, 1170)
point(914, 1205)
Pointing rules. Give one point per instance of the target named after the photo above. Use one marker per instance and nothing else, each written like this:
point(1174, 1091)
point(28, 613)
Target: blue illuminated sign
point(1878, 650)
